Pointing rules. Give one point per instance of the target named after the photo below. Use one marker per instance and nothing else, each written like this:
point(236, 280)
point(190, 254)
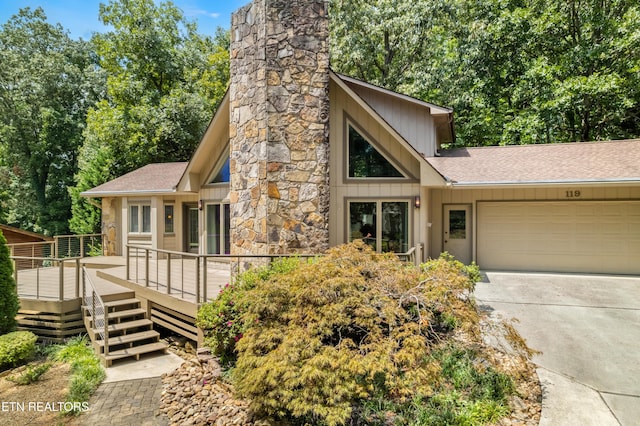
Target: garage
point(559, 236)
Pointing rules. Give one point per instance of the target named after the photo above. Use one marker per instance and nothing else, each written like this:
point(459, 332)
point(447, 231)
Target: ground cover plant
point(355, 337)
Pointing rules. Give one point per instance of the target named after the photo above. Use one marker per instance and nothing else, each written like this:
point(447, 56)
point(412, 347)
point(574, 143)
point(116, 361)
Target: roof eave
point(126, 193)
point(512, 184)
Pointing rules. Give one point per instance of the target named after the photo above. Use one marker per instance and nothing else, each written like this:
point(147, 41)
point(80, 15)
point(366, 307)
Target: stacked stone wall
point(279, 127)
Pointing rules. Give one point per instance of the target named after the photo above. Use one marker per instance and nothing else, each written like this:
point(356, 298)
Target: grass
point(86, 371)
point(31, 374)
point(470, 393)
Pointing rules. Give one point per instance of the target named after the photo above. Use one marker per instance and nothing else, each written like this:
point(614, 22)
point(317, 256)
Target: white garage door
point(577, 236)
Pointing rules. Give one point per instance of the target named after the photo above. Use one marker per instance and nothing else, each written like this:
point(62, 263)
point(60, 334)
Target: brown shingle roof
point(529, 164)
point(152, 178)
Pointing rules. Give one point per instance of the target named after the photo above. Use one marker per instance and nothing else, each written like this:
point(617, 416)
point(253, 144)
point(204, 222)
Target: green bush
point(9, 302)
point(31, 374)
point(87, 373)
point(352, 327)
point(16, 348)
point(221, 319)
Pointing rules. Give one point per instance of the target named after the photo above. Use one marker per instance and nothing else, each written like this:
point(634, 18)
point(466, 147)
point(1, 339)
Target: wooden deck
point(49, 283)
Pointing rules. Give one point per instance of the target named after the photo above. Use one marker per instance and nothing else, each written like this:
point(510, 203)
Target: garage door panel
point(578, 236)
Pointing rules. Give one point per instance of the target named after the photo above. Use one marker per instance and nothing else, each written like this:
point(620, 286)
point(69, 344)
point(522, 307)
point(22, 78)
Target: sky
point(80, 17)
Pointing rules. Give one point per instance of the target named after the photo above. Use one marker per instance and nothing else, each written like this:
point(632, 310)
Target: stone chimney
point(279, 127)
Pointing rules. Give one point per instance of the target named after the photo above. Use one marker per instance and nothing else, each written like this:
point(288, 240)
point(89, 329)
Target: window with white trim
point(140, 218)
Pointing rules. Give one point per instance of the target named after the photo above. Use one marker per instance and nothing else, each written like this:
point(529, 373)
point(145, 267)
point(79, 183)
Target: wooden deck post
point(146, 267)
point(204, 279)
point(197, 280)
point(127, 262)
point(168, 273)
point(61, 287)
point(77, 278)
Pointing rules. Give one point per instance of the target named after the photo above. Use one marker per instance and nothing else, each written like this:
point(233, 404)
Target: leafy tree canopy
point(164, 83)
point(515, 71)
point(47, 84)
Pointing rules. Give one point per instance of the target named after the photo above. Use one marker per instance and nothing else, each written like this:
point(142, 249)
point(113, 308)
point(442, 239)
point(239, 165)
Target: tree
point(164, 83)
point(515, 71)
point(9, 303)
point(47, 83)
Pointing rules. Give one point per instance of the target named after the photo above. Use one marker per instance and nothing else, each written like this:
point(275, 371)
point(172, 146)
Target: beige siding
point(412, 121)
point(441, 197)
point(343, 189)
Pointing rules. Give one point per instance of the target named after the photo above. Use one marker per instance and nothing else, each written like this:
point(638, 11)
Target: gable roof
point(154, 178)
point(579, 162)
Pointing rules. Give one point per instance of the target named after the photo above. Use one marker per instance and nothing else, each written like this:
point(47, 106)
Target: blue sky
point(80, 17)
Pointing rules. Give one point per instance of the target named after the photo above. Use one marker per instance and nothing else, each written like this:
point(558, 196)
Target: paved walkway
point(130, 395)
point(126, 403)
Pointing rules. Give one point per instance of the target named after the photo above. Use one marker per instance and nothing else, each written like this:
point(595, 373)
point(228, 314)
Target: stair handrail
point(94, 303)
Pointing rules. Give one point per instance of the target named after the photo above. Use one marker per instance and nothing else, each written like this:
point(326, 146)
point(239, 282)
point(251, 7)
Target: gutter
point(589, 182)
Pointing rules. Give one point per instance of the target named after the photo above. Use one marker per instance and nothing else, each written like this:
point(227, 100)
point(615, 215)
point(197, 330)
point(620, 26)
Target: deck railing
point(93, 303)
point(62, 246)
point(185, 274)
point(78, 245)
point(189, 275)
point(47, 278)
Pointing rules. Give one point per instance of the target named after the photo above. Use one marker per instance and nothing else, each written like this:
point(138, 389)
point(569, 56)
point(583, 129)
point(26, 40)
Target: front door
point(457, 231)
point(192, 234)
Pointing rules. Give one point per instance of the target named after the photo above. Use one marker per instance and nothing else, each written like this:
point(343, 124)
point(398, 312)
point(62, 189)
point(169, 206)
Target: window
point(384, 225)
point(223, 175)
point(140, 218)
point(218, 229)
point(365, 161)
point(168, 219)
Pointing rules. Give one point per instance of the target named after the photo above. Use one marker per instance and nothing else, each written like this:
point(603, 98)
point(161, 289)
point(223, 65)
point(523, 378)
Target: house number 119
point(572, 194)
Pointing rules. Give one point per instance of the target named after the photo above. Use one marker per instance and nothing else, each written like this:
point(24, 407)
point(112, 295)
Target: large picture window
point(140, 218)
point(384, 225)
point(365, 161)
point(218, 229)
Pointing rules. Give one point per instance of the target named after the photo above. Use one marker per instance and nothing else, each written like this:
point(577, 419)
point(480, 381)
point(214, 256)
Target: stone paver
point(125, 403)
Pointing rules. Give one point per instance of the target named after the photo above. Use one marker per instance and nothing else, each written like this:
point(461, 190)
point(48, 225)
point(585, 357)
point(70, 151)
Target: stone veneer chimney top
point(279, 127)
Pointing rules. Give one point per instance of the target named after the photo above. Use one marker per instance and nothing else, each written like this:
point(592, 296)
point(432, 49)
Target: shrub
point(9, 303)
point(16, 348)
point(221, 319)
point(31, 374)
point(87, 373)
point(354, 325)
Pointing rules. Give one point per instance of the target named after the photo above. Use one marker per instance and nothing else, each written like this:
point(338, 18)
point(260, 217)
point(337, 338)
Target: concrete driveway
point(588, 330)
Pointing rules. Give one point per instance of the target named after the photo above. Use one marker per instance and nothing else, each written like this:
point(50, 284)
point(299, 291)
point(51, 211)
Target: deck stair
point(128, 331)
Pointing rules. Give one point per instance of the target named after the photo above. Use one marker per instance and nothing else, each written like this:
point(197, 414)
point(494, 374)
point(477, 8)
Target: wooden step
point(129, 338)
point(121, 302)
point(121, 314)
point(134, 351)
point(127, 325)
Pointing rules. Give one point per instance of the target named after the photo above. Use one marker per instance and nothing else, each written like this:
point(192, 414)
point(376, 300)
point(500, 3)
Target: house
point(298, 158)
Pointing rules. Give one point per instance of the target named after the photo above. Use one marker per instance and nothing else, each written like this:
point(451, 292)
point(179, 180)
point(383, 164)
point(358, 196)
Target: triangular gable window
point(365, 161)
point(224, 173)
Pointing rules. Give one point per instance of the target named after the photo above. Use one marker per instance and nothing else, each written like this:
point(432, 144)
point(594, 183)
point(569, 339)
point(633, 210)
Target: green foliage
point(87, 373)
point(470, 392)
point(163, 86)
point(31, 374)
point(16, 348)
point(352, 326)
point(515, 72)
point(47, 84)
point(222, 318)
point(9, 302)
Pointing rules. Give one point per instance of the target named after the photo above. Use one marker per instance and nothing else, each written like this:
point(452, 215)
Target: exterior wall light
point(417, 201)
